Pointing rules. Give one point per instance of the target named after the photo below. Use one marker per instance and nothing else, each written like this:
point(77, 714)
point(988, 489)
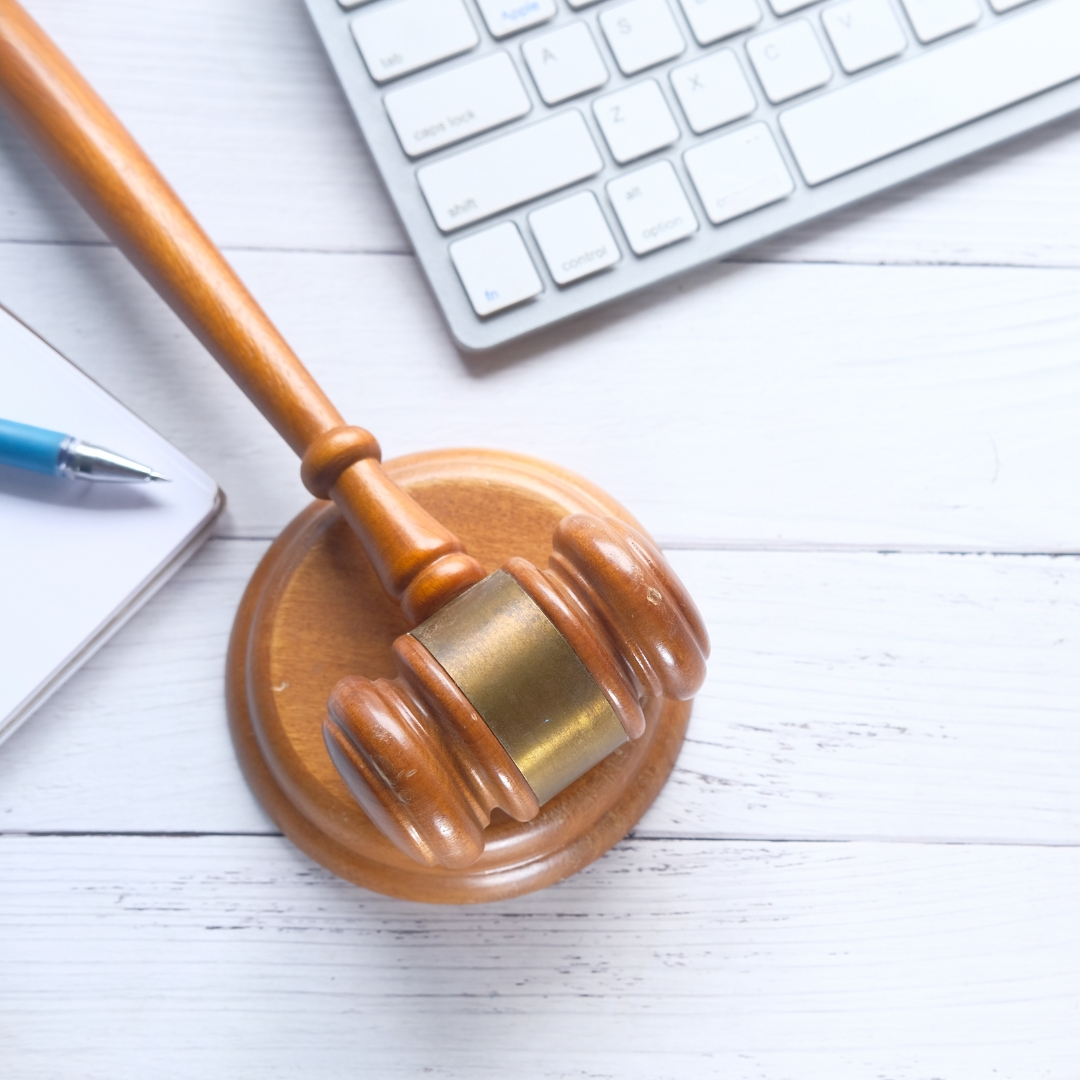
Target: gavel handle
point(420, 563)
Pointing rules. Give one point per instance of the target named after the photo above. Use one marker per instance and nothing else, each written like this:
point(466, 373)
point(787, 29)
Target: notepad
point(77, 559)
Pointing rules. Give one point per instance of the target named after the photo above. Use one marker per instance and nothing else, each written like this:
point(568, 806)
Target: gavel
point(511, 685)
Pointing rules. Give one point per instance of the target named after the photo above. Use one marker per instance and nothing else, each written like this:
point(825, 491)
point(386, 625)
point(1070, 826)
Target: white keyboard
point(547, 156)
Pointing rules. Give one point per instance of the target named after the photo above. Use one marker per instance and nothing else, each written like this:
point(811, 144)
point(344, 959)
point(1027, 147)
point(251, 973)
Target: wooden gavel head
point(516, 688)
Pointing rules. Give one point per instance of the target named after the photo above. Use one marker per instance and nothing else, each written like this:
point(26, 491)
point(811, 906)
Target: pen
point(57, 454)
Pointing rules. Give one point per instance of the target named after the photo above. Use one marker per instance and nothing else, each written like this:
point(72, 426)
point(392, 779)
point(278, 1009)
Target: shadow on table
point(780, 249)
point(60, 491)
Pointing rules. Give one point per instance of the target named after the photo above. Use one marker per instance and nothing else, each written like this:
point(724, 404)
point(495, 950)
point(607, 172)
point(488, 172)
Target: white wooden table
point(860, 445)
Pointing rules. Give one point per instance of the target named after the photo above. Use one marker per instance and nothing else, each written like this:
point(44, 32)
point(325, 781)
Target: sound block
point(315, 611)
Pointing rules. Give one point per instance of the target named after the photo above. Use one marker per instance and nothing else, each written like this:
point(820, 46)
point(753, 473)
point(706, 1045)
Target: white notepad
point(78, 558)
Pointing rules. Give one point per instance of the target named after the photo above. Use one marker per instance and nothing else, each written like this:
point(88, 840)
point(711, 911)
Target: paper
point(77, 558)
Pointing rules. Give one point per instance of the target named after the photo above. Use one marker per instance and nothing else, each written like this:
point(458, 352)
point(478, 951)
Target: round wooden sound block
point(314, 611)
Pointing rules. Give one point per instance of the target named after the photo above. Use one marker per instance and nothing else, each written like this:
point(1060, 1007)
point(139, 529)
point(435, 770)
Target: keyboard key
point(934, 19)
point(712, 20)
point(456, 104)
point(635, 121)
point(504, 17)
point(565, 63)
point(399, 36)
point(713, 91)
point(348, 5)
point(935, 92)
point(789, 61)
point(641, 33)
point(495, 269)
point(652, 207)
point(1007, 5)
point(581, 3)
point(786, 7)
point(737, 173)
point(574, 238)
point(512, 169)
point(863, 32)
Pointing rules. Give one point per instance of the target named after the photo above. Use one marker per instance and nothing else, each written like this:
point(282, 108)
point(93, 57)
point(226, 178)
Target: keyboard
point(549, 156)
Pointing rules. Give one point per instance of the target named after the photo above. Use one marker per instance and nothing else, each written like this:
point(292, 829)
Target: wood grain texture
point(908, 697)
point(663, 961)
point(888, 407)
point(238, 106)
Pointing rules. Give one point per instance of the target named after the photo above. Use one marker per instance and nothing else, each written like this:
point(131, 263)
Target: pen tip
point(158, 476)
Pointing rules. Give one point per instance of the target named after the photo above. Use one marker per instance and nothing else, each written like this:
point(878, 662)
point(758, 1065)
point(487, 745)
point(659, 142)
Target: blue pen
point(57, 454)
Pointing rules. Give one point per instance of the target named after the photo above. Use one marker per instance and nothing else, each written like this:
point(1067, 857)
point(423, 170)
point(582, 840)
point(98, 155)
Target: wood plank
point(879, 407)
point(914, 697)
point(910, 697)
point(238, 106)
point(125, 957)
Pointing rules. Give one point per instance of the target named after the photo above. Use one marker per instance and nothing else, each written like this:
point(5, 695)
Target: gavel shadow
point(589, 324)
point(84, 496)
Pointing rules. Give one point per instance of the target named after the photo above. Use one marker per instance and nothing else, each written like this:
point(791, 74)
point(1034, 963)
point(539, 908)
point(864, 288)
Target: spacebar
point(951, 85)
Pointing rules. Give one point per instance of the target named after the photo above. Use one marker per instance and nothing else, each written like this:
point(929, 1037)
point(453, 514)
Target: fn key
point(495, 269)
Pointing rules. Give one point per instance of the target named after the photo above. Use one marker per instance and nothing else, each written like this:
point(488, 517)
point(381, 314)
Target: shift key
point(516, 168)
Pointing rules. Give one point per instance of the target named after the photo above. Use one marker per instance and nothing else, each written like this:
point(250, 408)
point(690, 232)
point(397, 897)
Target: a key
point(564, 63)
point(942, 89)
point(504, 17)
point(713, 91)
point(789, 61)
point(863, 32)
point(1007, 5)
point(652, 207)
point(737, 173)
point(934, 19)
point(495, 268)
point(399, 36)
point(713, 20)
point(512, 169)
point(457, 104)
point(641, 33)
point(574, 238)
point(635, 121)
point(786, 7)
